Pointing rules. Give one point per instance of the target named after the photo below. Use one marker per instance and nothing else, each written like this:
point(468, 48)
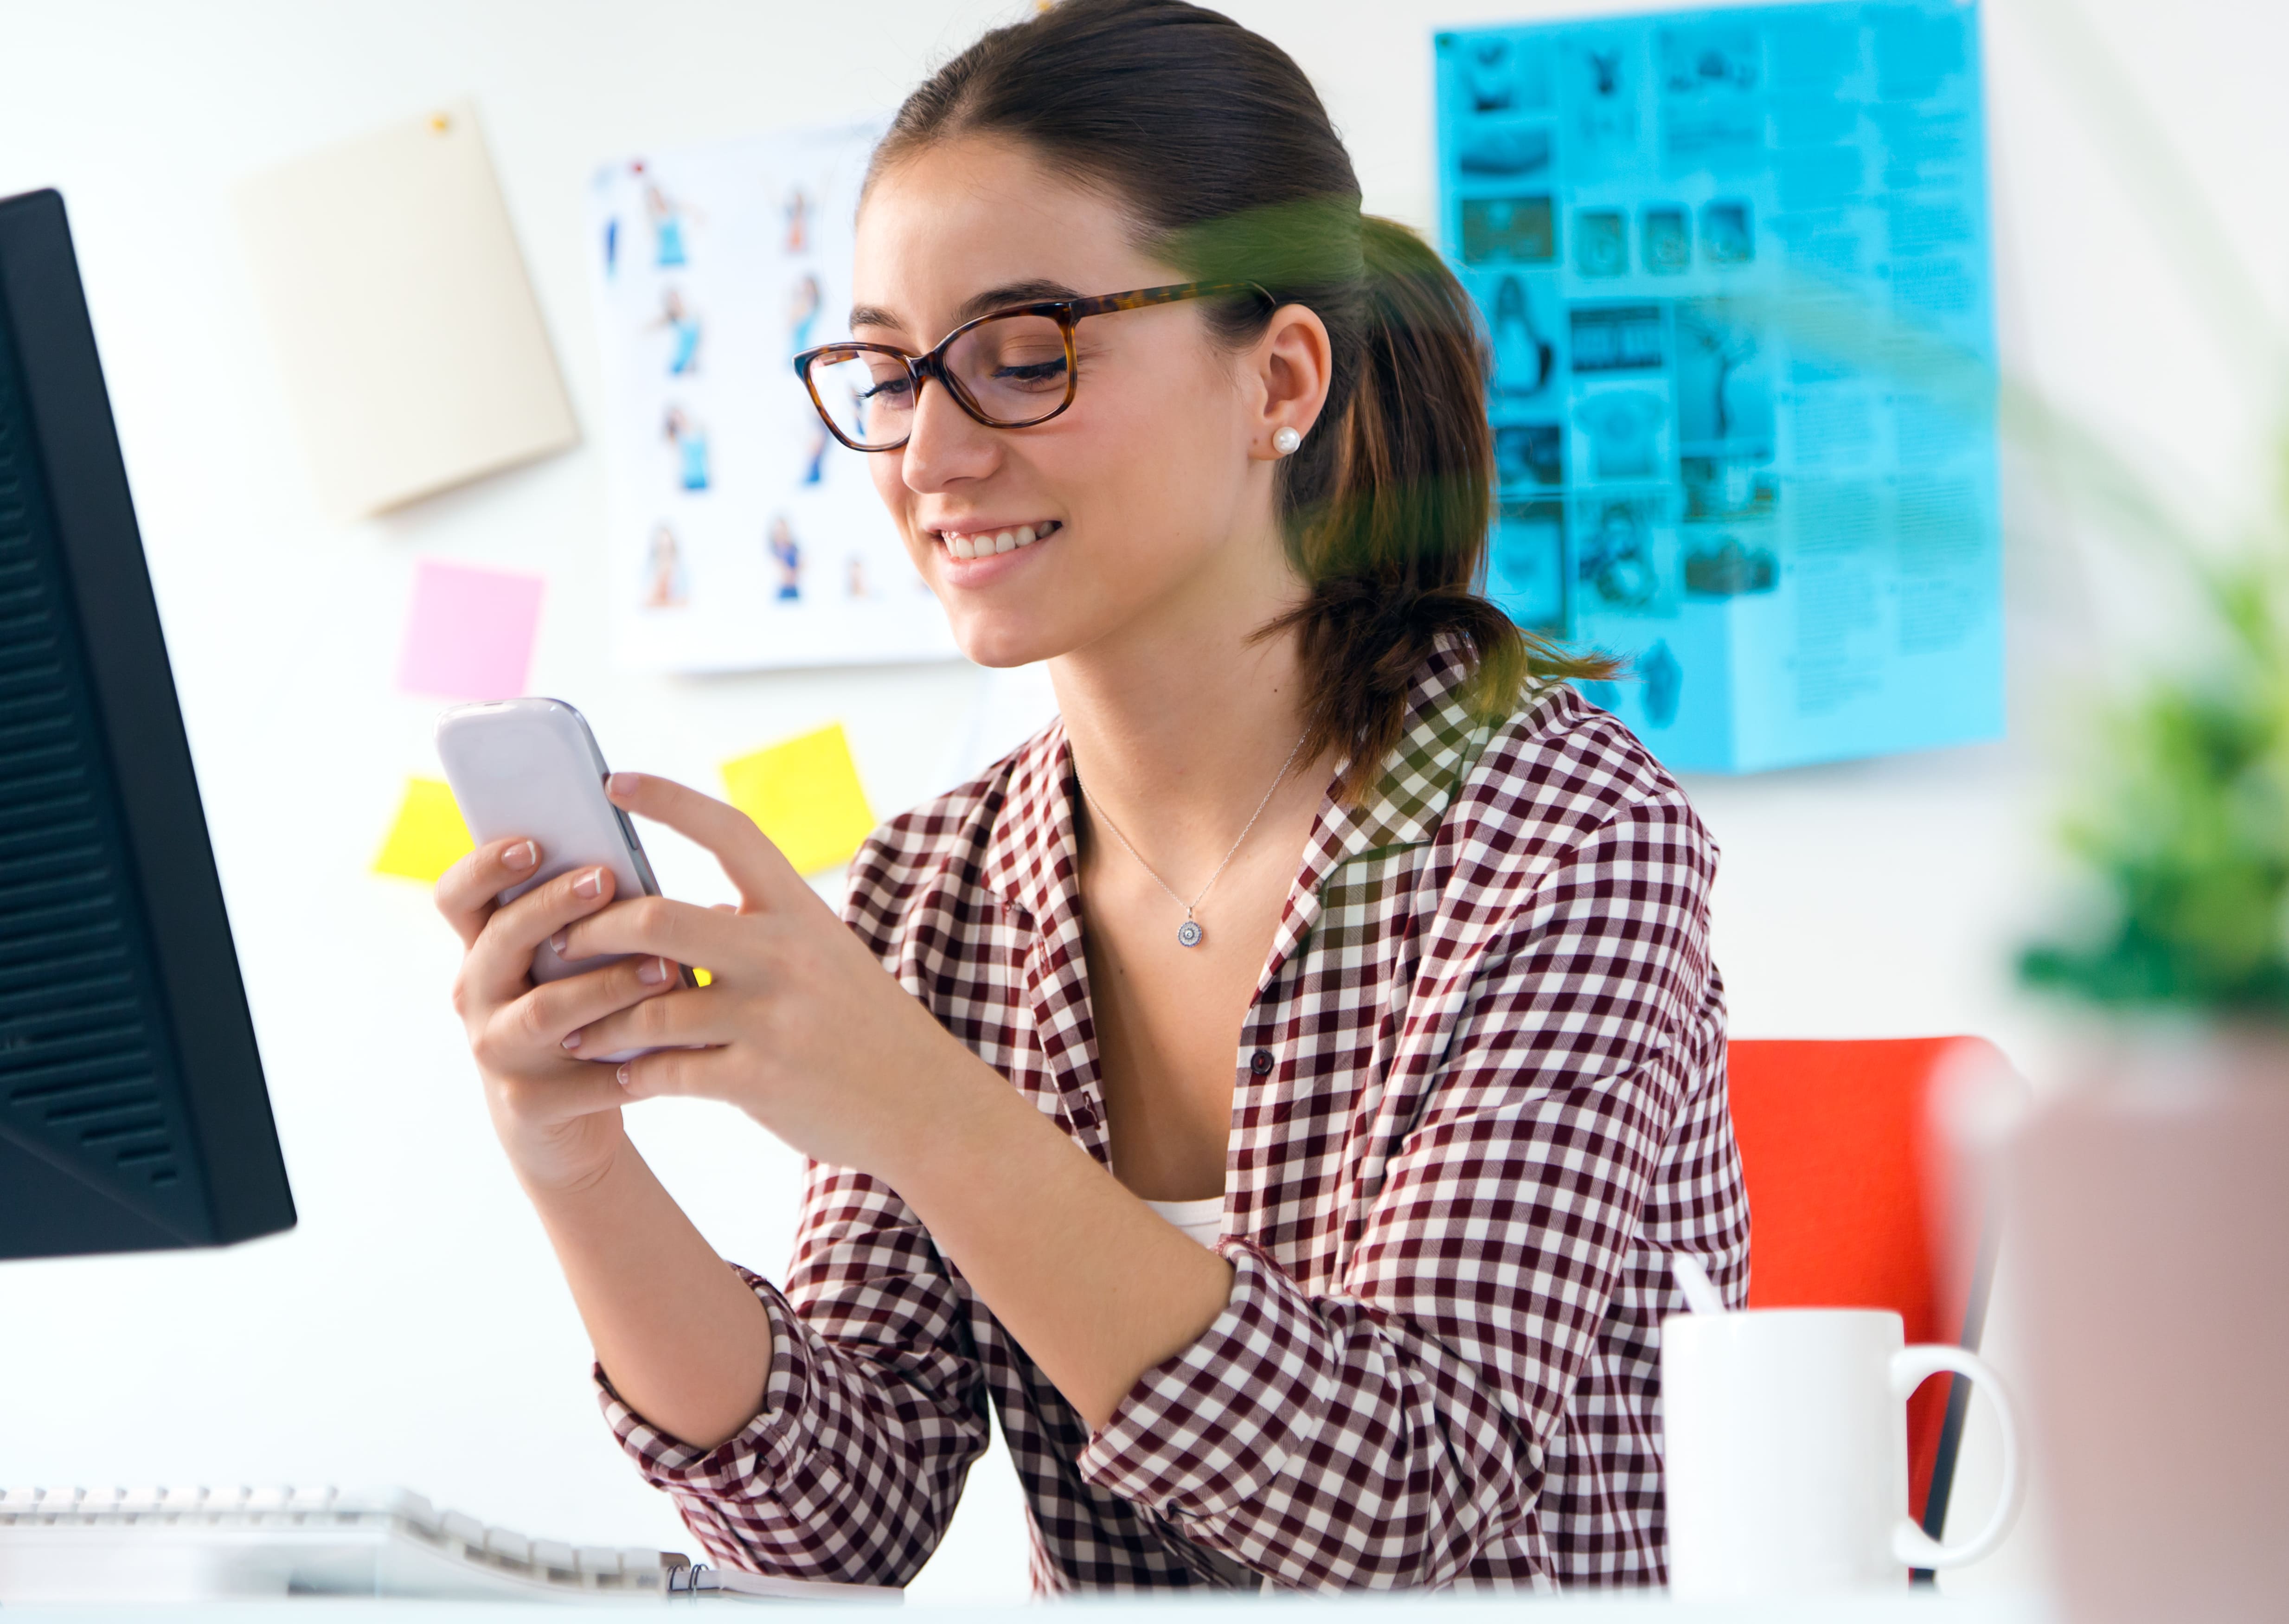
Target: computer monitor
point(133, 1113)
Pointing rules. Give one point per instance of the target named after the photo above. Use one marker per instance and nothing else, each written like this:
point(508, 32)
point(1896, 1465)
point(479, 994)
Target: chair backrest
point(1848, 1208)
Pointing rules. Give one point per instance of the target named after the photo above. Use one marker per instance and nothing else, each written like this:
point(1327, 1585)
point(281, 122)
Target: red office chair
point(1848, 1207)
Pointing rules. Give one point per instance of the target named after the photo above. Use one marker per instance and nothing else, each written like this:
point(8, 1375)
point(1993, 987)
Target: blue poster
point(1735, 275)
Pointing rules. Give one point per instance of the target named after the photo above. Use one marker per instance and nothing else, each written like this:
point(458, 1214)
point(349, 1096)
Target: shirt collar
point(1419, 776)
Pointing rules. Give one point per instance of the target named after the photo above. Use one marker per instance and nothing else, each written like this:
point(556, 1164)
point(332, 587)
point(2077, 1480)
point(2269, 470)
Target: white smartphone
point(531, 767)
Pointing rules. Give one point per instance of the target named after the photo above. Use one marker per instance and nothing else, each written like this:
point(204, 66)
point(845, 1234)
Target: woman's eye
point(1031, 373)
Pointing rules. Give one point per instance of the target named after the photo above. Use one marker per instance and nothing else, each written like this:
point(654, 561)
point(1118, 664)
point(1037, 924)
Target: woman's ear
point(1295, 365)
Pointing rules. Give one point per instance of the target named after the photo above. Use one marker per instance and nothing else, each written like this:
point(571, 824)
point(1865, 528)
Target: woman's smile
point(976, 553)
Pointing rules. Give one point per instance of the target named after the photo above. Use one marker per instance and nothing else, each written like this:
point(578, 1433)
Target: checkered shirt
point(1477, 1099)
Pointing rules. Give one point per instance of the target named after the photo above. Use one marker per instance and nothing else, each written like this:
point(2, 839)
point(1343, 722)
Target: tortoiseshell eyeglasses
point(1012, 369)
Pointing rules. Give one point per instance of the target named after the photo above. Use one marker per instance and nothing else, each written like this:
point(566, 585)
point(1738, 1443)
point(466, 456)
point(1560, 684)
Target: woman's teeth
point(985, 544)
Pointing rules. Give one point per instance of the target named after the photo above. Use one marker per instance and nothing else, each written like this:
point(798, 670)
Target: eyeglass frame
point(1068, 314)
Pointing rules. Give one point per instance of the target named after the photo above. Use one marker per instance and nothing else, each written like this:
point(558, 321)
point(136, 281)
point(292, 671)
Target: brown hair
point(1217, 143)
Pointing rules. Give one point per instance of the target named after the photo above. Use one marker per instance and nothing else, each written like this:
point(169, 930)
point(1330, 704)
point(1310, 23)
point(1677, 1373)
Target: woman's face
point(1151, 494)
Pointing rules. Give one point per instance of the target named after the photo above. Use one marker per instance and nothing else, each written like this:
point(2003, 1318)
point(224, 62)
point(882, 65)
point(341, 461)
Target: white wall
point(413, 1329)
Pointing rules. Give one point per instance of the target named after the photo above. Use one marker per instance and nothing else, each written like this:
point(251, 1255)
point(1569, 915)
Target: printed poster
point(1734, 269)
point(742, 535)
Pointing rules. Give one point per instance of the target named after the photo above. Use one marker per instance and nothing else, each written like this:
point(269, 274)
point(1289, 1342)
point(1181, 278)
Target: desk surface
point(1611, 1608)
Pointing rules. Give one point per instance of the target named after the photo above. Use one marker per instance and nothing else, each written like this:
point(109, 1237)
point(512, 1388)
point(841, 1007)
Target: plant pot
point(2150, 1210)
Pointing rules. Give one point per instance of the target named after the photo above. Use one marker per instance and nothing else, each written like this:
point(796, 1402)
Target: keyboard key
point(402, 1503)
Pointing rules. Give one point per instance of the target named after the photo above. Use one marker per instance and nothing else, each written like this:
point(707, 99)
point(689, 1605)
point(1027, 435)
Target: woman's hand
point(800, 1026)
point(557, 1117)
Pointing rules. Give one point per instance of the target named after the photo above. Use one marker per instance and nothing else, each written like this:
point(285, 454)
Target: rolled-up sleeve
point(871, 1413)
point(1387, 1431)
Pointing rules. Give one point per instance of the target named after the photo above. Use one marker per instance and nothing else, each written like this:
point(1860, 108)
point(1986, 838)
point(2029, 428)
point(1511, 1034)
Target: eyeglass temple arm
point(1104, 304)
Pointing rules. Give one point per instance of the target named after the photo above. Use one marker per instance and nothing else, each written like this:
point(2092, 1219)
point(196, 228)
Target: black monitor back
point(132, 1109)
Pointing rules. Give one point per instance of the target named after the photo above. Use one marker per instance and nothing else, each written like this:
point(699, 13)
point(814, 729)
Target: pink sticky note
point(470, 634)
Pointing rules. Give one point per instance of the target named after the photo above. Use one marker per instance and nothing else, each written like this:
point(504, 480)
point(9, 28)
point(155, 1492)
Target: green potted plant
point(2147, 1200)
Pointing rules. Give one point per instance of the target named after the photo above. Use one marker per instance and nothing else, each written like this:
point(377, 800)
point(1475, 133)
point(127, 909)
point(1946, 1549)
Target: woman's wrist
point(572, 1162)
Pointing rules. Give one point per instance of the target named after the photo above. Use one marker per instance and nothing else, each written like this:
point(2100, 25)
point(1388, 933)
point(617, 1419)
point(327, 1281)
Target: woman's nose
point(945, 444)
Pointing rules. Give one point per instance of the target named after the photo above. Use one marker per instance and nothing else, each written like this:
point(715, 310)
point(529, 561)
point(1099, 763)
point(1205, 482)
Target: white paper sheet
point(411, 345)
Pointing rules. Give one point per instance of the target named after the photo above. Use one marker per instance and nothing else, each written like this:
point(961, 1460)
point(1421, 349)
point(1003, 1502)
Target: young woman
point(1275, 1091)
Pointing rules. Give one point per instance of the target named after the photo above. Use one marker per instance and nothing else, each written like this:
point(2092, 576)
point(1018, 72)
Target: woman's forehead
point(952, 222)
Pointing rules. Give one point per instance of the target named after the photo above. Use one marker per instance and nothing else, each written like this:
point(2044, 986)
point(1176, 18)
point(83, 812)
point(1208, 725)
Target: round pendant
point(1188, 934)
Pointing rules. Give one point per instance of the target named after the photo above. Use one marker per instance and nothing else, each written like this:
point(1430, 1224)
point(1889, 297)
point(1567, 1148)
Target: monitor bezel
point(226, 1097)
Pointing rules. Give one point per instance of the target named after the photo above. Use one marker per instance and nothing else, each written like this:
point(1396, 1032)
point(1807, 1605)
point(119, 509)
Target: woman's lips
point(1005, 538)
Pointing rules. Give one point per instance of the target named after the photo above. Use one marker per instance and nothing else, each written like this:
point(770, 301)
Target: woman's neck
point(1180, 721)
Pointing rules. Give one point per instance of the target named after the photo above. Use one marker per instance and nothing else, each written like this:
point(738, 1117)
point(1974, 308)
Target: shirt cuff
point(1206, 1430)
point(772, 1443)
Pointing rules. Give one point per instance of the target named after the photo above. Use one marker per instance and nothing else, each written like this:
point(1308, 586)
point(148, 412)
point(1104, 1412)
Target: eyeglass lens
point(1012, 368)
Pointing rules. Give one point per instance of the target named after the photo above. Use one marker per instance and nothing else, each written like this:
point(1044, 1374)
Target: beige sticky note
point(427, 836)
point(805, 795)
point(407, 331)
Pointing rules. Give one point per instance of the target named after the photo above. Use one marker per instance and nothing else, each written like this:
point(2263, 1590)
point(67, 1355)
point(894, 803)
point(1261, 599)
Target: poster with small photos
point(742, 535)
point(1733, 268)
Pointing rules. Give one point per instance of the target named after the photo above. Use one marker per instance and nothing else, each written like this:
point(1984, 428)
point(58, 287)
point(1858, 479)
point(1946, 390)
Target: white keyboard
point(184, 1545)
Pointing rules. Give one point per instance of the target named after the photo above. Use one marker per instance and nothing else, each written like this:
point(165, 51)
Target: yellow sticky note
point(805, 795)
point(429, 837)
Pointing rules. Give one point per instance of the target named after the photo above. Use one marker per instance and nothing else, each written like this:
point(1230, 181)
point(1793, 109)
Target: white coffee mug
point(1787, 1452)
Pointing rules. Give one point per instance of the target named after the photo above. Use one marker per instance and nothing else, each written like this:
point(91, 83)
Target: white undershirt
point(1203, 1221)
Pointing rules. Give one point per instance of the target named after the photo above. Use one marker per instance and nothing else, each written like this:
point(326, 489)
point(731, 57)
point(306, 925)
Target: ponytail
point(1222, 147)
point(1394, 543)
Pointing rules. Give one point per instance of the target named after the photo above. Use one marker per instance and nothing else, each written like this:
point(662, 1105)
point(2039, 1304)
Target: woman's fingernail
point(620, 783)
point(652, 971)
point(572, 1040)
point(522, 856)
point(623, 1075)
point(558, 941)
point(589, 884)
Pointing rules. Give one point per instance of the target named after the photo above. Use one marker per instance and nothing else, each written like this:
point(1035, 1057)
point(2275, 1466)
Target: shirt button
point(1260, 1062)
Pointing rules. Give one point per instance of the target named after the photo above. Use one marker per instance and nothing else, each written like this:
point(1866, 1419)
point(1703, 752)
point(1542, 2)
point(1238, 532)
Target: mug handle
point(1911, 1366)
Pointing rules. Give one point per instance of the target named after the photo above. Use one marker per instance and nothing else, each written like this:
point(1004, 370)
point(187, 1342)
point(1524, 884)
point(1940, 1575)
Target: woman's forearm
point(684, 1340)
point(1093, 1284)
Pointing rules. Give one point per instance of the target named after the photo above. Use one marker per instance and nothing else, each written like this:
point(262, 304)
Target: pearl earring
point(1285, 440)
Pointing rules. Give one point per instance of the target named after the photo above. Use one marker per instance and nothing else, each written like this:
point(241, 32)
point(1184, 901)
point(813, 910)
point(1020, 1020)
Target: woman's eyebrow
point(1036, 292)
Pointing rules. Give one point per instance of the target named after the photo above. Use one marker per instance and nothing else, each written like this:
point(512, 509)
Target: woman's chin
point(1005, 648)
point(1000, 640)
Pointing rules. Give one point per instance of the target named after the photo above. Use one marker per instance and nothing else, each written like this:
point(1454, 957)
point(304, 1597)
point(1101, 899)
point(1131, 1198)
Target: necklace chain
point(1189, 933)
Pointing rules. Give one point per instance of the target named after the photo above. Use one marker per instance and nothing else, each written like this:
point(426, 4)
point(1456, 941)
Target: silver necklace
point(1189, 934)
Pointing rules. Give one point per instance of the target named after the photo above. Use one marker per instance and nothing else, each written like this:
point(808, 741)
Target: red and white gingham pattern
point(1486, 1101)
